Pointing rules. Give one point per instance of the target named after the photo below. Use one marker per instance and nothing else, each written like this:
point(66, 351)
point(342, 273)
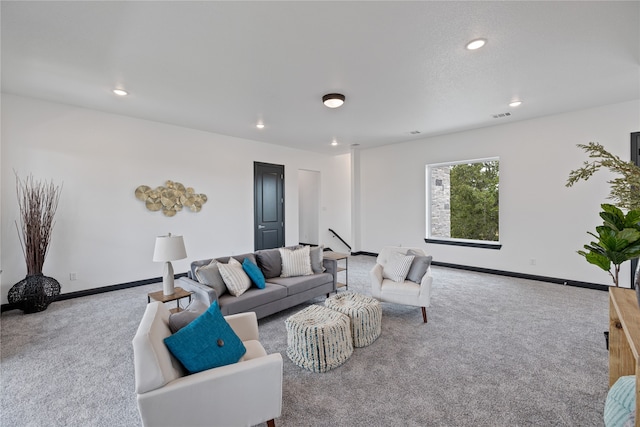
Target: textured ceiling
point(223, 66)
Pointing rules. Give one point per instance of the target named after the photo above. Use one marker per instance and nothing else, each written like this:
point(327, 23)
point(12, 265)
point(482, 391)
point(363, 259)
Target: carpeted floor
point(497, 351)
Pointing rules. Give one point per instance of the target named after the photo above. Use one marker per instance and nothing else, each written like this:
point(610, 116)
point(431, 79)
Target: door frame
point(280, 168)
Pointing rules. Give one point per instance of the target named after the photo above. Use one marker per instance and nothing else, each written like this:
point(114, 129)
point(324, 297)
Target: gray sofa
point(279, 293)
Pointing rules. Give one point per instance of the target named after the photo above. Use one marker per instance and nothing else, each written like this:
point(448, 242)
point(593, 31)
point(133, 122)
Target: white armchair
point(241, 394)
point(407, 292)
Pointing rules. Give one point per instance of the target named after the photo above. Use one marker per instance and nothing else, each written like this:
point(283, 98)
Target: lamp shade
point(169, 248)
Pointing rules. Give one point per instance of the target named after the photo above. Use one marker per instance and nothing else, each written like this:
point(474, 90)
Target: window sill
point(469, 244)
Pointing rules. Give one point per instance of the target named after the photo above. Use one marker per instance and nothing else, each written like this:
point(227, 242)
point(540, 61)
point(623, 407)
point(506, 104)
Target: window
point(463, 203)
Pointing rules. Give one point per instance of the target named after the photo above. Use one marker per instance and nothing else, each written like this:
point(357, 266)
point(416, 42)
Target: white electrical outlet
point(73, 276)
point(532, 261)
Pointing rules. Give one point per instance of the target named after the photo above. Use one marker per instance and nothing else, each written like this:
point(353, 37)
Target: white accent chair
point(241, 394)
point(407, 292)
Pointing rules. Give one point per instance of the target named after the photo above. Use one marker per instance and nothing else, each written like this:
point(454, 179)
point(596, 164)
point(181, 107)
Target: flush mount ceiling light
point(515, 103)
point(476, 44)
point(334, 142)
point(260, 125)
point(120, 92)
point(333, 100)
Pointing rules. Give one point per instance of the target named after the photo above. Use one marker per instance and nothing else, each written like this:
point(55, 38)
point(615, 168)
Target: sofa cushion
point(254, 297)
point(206, 343)
point(240, 258)
point(295, 262)
point(254, 273)
point(315, 256)
point(295, 285)
point(270, 262)
point(254, 350)
point(419, 266)
point(234, 277)
point(154, 365)
point(210, 275)
point(182, 318)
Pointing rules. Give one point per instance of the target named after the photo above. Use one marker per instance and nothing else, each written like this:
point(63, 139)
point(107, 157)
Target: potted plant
point(614, 245)
point(618, 240)
point(625, 192)
point(37, 202)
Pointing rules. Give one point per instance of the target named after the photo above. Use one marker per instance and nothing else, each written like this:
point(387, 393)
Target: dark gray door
point(635, 158)
point(268, 205)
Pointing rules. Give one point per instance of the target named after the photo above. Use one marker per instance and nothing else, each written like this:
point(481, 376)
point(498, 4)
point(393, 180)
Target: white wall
point(540, 218)
point(103, 233)
point(309, 206)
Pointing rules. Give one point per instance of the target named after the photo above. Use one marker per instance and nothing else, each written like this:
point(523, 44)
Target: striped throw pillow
point(397, 267)
point(295, 262)
point(234, 277)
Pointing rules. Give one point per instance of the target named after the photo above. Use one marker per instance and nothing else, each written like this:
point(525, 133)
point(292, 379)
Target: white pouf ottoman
point(318, 338)
point(364, 312)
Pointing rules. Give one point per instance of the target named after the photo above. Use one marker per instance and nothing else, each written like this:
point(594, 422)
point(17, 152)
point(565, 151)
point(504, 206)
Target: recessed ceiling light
point(260, 125)
point(476, 44)
point(333, 100)
point(120, 92)
point(515, 103)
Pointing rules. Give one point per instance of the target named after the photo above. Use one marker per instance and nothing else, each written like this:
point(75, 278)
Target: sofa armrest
point(219, 396)
point(425, 288)
point(376, 280)
point(245, 325)
point(201, 292)
point(331, 267)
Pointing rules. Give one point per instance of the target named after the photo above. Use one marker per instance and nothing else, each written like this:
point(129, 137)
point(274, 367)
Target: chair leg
point(271, 423)
point(424, 314)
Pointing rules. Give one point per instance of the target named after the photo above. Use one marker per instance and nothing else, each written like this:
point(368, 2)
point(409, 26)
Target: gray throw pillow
point(315, 253)
point(182, 318)
point(270, 262)
point(419, 266)
point(210, 275)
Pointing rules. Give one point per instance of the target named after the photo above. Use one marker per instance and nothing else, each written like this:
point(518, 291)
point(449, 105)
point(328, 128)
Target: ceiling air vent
point(501, 115)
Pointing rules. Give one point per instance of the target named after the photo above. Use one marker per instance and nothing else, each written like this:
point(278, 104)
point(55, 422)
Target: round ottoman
point(318, 338)
point(364, 312)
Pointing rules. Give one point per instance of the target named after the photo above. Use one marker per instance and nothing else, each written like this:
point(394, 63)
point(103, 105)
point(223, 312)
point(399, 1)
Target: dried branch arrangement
point(38, 202)
point(625, 189)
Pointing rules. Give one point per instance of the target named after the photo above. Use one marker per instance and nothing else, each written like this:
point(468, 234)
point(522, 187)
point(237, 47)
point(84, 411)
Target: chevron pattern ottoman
point(364, 312)
point(318, 338)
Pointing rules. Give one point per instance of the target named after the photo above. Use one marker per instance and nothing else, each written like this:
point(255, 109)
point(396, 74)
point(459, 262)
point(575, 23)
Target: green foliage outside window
point(474, 201)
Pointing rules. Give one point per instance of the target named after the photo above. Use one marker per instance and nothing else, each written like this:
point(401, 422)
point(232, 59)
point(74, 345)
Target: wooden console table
point(624, 338)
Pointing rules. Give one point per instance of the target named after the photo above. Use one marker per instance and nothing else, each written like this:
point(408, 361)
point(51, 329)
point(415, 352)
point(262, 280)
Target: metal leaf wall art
point(171, 198)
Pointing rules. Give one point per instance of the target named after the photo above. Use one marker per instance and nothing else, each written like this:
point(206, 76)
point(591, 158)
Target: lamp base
point(167, 279)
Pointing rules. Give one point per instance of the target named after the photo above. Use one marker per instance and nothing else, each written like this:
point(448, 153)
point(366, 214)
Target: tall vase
point(34, 293)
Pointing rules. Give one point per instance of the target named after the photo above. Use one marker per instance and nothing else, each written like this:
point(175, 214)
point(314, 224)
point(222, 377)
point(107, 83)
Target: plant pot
point(34, 293)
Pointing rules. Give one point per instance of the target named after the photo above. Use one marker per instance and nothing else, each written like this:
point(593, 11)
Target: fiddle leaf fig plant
point(618, 240)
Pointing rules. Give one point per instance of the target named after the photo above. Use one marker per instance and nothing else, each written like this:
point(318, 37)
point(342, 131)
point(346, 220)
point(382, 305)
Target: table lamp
point(168, 248)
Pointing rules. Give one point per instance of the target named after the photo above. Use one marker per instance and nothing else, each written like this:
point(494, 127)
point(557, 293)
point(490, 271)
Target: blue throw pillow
point(254, 273)
point(207, 342)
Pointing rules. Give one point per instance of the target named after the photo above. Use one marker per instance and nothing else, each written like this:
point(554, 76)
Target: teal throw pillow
point(207, 342)
point(621, 402)
point(254, 273)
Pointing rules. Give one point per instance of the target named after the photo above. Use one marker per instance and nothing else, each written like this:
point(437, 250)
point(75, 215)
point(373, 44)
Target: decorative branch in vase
point(37, 203)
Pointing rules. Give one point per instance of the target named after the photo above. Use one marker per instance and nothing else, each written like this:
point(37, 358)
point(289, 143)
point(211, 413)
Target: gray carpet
point(497, 351)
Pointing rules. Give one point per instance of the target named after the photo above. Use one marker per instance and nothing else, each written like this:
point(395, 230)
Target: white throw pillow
point(397, 267)
point(234, 277)
point(296, 262)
